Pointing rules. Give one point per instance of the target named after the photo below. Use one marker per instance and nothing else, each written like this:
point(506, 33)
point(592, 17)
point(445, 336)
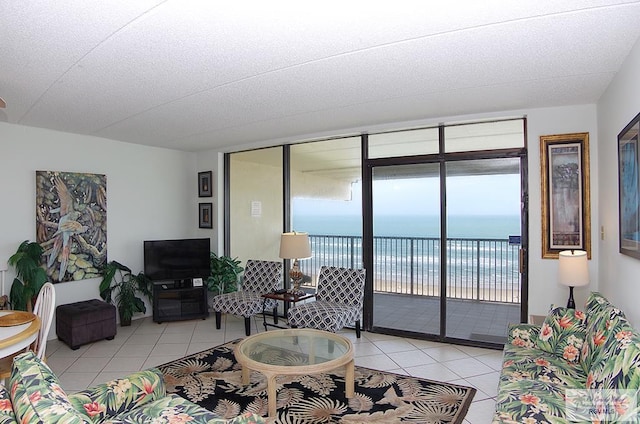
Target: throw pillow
point(563, 333)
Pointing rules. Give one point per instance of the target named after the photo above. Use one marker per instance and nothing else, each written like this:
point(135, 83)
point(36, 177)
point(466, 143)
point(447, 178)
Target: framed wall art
point(205, 214)
point(566, 205)
point(71, 224)
point(629, 189)
point(205, 184)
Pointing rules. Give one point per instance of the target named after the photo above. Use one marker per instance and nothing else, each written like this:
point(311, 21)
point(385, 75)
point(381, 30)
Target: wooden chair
point(44, 307)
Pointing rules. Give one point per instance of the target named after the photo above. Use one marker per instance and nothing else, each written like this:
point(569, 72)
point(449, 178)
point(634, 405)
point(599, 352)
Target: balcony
point(482, 282)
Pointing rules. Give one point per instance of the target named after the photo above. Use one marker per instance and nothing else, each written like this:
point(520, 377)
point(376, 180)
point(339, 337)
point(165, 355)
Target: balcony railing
point(478, 269)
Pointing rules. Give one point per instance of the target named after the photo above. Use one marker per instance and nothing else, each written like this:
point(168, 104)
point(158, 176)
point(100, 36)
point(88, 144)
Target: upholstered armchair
point(338, 302)
point(260, 277)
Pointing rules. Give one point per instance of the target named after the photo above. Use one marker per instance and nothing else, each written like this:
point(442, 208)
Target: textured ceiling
point(197, 75)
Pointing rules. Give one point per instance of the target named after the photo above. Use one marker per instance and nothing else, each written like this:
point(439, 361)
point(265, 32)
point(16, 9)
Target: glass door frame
point(442, 159)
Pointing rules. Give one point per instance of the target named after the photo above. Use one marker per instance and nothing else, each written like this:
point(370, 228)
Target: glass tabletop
point(295, 347)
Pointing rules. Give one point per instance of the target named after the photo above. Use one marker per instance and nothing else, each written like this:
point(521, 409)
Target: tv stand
point(179, 300)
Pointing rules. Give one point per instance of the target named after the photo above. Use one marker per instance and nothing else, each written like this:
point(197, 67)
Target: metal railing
point(478, 269)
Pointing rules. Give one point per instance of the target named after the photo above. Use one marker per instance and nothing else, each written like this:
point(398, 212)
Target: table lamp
point(573, 271)
point(295, 246)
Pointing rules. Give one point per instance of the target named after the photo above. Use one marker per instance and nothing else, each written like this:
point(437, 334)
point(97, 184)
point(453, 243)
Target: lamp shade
point(573, 269)
point(295, 246)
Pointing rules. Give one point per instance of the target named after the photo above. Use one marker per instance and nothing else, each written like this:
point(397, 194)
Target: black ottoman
point(85, 322)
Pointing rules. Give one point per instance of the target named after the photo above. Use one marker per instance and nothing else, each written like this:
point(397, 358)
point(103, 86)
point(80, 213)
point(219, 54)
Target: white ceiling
point(195, 75)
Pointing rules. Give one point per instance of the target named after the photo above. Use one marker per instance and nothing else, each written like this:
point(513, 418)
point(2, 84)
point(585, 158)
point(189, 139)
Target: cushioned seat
point(260, 277)
point(85, 322)
point(338, 301)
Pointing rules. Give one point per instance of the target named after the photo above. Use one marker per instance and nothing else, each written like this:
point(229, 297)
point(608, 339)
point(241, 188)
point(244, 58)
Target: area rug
point(212, 379)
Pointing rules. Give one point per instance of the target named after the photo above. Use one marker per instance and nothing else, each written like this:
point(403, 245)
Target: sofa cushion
point(36, 394)
point(529, 401)
point(174, 409)
point(601, 317)
point(522, 335)
point(563, 333)
point(618, 366)
point(6, 409)
point(120, 395)
point(535, 364)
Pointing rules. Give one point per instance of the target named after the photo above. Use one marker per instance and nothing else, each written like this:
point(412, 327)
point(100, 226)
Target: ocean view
point(468, 226)
point(407, 252)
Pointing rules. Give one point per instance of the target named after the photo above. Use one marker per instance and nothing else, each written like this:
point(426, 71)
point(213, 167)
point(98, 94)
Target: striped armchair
point(260, 277)
point(338, 301)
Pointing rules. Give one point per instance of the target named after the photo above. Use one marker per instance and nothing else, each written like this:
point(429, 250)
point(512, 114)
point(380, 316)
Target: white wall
point(616, 108)
point(543, 287)
point(151, 194)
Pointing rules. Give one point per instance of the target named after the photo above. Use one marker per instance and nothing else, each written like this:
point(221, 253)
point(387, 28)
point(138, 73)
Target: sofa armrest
point(523, 335)
point(114, 397)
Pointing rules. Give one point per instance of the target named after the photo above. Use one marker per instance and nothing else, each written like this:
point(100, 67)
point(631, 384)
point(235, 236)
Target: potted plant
point(119, 278)
point(30, 275)
point(225, 272)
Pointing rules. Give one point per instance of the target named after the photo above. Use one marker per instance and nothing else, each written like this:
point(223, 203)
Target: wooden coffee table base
point(271, 372)
point(349, 381)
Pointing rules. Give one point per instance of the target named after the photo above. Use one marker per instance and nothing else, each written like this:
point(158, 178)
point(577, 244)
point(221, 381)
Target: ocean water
point(468, 226)
point(404, 266)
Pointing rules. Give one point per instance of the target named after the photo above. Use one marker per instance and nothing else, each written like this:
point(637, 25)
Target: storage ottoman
point(85, 322)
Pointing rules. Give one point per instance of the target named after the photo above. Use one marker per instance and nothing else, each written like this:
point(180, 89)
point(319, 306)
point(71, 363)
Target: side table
point(287, 299)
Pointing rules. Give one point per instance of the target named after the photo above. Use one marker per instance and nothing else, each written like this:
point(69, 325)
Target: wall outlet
point(197, 282)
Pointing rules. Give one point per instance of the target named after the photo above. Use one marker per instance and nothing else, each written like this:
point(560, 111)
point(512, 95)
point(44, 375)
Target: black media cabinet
point(179, 300)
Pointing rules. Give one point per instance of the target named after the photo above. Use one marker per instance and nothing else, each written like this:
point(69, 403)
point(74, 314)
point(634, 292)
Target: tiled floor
point(146, 344)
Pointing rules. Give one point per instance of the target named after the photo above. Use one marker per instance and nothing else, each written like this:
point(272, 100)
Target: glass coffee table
point(295, 351)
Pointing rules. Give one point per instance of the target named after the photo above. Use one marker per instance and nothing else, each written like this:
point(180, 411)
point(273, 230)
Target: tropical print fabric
point(618, 367)
point(523, 335)
point(117, 396)
point(536, 381)
point(535, 364)
point(213, 380)
point(6, 409)
point(173, 409)
point(530, 401)
point(36, 397)
point(563, 333)
point(36, 394)
point(601, 319)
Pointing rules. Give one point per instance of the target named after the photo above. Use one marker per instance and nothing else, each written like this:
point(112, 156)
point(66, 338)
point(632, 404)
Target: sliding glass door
point(406, 247)
point(483, 244)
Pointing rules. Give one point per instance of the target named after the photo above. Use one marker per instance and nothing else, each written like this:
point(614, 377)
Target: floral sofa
point(579, 366)
point(35, 396)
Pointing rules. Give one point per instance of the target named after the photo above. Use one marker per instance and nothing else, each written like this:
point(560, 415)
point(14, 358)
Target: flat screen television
point(166, 260)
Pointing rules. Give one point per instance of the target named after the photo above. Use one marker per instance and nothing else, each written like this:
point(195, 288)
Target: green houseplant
point(30, 275)
point(225, 272)
point(121, 286)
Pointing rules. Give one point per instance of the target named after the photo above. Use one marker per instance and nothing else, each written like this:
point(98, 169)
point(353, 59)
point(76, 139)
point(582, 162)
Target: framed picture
point(628, 189)
point(205, 184)
point(205, 215)
point(566, 205)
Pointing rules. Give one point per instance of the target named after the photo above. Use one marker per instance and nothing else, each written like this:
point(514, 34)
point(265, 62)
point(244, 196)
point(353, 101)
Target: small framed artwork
point(629, 189)
point(566, 205)
point(205, 184)
point(205, 215)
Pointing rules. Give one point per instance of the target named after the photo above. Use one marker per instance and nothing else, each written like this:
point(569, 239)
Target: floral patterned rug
point(212, 379)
